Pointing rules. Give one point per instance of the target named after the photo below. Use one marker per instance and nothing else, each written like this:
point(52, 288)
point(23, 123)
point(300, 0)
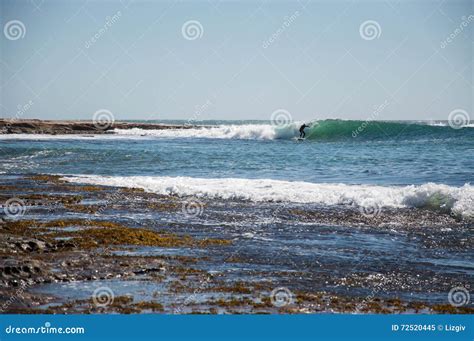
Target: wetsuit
point(302, 133)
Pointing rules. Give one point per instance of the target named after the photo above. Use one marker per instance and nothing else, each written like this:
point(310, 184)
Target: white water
point(245, 131)
point(460, 200)
point(233, 131)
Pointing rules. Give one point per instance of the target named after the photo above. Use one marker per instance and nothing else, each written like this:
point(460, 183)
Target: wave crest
point(245, 131)
point(443, 198)
point(319, 130)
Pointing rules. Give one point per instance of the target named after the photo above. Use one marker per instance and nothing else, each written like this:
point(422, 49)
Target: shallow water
point(413, 264)
point(257, 189)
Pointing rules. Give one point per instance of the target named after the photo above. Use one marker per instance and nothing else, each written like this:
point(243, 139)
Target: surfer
point(302, 133)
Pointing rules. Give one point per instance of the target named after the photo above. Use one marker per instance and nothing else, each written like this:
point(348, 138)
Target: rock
point(15, 271)
point(28, 244)
point(31, 126)
point(64, 244)
point(148, 270)
point(36, 245)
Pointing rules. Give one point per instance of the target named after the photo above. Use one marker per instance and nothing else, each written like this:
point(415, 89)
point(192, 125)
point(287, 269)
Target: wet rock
point(36, 245)
point(64, 244)
point(14, 272)
point(148, 270)
point(28, 244)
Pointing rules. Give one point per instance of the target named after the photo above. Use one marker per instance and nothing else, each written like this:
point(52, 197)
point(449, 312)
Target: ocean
point(357, 208)
point(389, 164)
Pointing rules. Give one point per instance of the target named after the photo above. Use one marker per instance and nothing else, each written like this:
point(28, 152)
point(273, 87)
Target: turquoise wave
point(383, 130)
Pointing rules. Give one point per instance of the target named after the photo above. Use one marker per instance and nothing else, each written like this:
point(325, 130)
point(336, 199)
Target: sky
point(200, 60)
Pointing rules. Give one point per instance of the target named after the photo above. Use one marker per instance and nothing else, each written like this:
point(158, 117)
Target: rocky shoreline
point(35, 126)
point(61, 252)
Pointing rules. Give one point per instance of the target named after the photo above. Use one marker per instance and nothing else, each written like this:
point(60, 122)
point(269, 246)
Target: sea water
point(393, 164)
point(275, 198)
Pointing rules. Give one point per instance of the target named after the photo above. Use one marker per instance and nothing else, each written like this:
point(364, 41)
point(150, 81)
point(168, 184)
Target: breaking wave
point(319, 130)
point(443, 198)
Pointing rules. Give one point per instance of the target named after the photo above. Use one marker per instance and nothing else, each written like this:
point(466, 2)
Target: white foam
point(459, 200)
point(245, 131)
point(446, 124)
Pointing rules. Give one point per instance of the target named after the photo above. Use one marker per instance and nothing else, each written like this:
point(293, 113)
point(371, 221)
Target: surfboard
point(299, 139)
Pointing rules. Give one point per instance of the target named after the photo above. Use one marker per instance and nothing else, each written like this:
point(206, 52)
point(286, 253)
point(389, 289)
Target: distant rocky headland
point(34, 126)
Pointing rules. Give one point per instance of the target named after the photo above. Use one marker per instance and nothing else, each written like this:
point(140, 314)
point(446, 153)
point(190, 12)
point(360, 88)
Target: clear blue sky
point(318, 66)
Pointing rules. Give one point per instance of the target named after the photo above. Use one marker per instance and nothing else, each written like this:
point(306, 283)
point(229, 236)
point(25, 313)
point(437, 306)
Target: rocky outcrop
point(33, 126)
